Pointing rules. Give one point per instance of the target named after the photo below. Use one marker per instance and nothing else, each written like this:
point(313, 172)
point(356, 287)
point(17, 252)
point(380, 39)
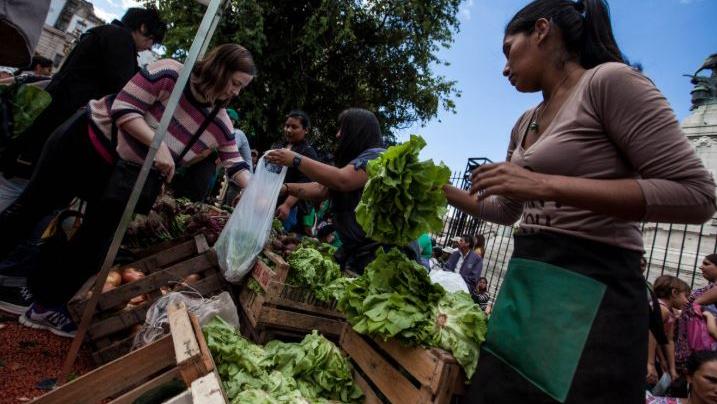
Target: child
point(672, 295)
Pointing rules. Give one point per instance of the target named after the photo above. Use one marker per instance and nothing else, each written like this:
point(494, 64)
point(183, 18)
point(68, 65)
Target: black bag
point(125, 174)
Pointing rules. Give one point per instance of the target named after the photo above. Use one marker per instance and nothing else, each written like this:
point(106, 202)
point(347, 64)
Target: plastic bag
point(156, 323)
point(451, 281)
point(248, 228)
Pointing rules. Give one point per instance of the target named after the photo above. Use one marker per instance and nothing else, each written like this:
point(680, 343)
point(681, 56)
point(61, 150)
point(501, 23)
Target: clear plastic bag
point(248, 228)
point(156, 323)
point(450, 281)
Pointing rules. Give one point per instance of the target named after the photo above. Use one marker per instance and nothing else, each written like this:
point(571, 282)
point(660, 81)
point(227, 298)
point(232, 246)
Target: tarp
point(21, 23)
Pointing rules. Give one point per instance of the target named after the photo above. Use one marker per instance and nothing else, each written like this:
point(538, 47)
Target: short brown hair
point(666, 283)
point(211, 74)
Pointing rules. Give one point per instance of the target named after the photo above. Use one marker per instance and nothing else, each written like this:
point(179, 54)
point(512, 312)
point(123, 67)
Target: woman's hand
point(651, 374)
point(282, 212)
point(164, 162)
point(509, 180)
point(284, 157)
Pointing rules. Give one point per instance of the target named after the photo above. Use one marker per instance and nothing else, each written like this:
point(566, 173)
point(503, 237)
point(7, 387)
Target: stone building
point(65, 22)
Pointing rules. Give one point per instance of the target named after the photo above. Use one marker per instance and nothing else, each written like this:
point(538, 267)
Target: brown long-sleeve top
point(615, 125)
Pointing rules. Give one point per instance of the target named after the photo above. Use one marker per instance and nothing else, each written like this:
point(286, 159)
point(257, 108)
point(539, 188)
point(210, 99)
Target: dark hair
point(302, 116)
point(40, 60)
point(483, 278)
point(584, 24)
point(699, 358)
point(666, 283)
point(479, 241)
point(154, 26)
point(712, 258)
point(467, 238)
point(213, 72)
point(360, 130)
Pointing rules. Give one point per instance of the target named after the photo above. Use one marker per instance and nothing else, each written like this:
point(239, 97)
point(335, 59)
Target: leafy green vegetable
point(318, 366)
point(327, 250)
point(395, 298)
point(254, 286)
point(460, 326)
point(27, 103)
point(391, 299)
point(314, 270)
point(403, 197)
point(313, 370)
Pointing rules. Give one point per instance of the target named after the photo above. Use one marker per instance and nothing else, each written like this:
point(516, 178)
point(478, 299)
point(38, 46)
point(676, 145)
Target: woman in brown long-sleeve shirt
point(602, 152)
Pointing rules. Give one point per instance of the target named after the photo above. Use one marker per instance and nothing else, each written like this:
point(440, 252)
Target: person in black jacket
point(102, 62)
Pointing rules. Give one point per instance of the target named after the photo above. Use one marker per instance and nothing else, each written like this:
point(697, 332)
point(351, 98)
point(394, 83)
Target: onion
point(137, 300)
point(192, 279)
point(107, 287)
point(130, 275)
point(114, 278)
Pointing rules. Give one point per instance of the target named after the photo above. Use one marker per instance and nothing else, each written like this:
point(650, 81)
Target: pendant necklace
point(533, 125)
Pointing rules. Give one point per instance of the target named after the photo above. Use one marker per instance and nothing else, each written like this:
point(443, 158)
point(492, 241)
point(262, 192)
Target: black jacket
point(103, 61)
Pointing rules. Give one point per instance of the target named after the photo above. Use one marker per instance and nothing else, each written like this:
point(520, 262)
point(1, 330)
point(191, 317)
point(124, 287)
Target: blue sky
point(669, 37)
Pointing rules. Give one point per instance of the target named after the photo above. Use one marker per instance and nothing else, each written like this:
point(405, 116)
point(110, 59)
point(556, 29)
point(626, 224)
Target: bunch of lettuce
point(310, 371)
point(314, 270)
point(26, 103)
point(392, 299)
point(395, 298)
point(460, 327)
point(318, 367)
point(403, 197)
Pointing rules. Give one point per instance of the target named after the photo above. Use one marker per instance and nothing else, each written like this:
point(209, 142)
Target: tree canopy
point(323, 56)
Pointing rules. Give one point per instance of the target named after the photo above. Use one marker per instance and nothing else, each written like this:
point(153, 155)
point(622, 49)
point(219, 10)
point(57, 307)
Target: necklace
point(543, 106)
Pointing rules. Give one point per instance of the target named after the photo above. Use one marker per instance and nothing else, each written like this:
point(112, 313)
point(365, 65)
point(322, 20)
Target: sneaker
point(15, 299)
point(55, 319)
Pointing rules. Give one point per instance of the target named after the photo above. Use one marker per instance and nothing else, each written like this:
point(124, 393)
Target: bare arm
point(312, 191)
point(344, 179)
point(707, 298)
point(494, 209)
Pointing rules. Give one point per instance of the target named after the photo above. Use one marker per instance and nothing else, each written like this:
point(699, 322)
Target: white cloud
point(131, 3)
point(465, 10)
point(105, 15)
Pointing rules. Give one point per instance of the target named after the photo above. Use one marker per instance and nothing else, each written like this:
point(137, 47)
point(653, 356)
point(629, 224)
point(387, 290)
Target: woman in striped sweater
point(80, 156)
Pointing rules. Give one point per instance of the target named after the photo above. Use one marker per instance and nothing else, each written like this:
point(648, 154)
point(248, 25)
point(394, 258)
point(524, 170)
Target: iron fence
point(670, 249)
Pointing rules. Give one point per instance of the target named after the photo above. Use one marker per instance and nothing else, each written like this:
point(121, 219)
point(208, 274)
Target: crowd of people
point(577, 248)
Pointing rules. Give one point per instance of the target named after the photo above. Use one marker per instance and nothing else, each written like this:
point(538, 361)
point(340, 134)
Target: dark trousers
point(68, 167)
point(612, 367)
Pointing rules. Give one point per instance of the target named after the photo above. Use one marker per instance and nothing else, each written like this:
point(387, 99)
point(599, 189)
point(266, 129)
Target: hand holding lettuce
point(403, 197)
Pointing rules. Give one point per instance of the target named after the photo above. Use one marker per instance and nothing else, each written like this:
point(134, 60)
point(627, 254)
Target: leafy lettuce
point(403, 197)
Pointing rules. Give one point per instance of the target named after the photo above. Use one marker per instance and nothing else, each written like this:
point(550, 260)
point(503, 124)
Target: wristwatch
point(297, 161)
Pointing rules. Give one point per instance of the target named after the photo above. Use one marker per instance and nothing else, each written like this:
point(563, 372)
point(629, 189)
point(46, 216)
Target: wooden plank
point(385, 377)
point(120, 321)
point(115, 376)
point(186, 347)
point(203, 348)
point(201, 243)
point(184, 398)
point(166, 257)
point(113, 351)
point(299, 321)
point(207, 390)
point(175, 273)
point(370, 396)
point(446, 388)
point(290, 303)
point(418, 361)
point(262, 274)
point(135, 393)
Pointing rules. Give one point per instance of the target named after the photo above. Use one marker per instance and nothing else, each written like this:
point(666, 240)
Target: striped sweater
point(145, 96)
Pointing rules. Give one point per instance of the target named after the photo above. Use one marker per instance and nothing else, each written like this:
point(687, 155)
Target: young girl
point(672, 293)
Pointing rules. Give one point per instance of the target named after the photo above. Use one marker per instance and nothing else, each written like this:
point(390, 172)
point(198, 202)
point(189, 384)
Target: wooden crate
point(110, 333)
point(284, 311)
point(181, 358)
point(387, 371)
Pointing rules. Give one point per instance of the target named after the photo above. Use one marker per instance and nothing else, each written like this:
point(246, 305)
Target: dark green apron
point(541, 321)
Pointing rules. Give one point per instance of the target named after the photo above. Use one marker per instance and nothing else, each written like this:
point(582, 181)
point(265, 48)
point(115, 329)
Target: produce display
point(311, 371)
point(315, 271)
point(171, 218)
point(395, 298)
point(403, 197)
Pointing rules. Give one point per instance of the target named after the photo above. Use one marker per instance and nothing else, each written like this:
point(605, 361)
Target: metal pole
point(202, 38)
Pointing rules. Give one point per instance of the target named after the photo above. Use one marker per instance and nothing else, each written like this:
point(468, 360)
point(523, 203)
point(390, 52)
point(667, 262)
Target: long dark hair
point(699, 358)
point(360, 130)
point(584, 24)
